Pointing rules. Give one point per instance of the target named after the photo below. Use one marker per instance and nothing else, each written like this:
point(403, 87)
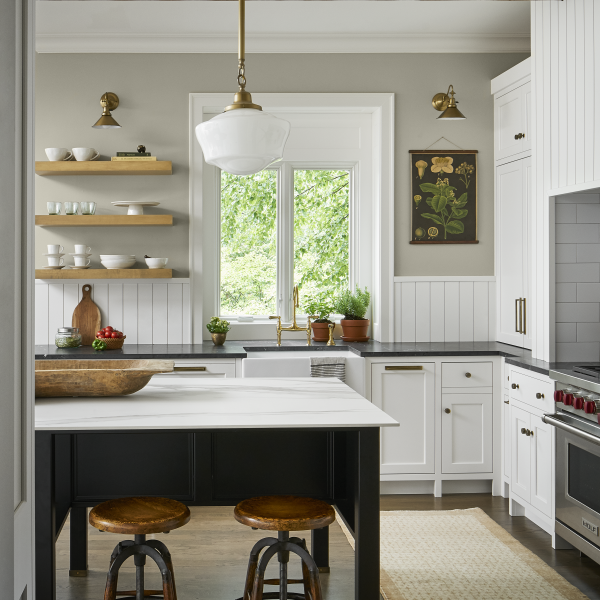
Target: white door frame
point(381, 107)
point(16, 299)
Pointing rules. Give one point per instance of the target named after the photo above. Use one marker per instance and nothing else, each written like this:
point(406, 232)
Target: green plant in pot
point(218, 330)
point(353, 305)
point(321, 308)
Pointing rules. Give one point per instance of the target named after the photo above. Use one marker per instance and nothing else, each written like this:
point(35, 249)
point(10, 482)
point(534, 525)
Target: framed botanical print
point(443, 196)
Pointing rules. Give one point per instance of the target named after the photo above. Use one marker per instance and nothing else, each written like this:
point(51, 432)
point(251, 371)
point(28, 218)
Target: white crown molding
point(319, 43)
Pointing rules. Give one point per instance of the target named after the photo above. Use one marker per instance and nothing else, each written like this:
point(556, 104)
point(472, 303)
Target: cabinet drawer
point(467, 375)
point(526, 388)
point(201, 369)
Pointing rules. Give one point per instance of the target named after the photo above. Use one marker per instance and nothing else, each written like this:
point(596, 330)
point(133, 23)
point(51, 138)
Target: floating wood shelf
point(103, 273)
point(104, 167)
point(102, 220)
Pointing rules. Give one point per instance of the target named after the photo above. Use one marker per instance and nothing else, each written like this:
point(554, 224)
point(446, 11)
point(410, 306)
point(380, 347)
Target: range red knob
point(578, 402)
point(558, 395)
point(568, 399)
point(589, 406)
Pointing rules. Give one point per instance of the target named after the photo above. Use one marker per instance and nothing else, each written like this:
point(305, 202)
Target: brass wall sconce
point(109, 101)
point(447, 103)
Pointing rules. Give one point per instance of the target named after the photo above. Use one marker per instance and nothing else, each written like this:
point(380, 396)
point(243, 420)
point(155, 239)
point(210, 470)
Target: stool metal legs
point(282, 546)
point(140, 549)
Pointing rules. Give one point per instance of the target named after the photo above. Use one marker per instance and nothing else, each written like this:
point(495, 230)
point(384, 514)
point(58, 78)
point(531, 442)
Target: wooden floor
point(211, 552)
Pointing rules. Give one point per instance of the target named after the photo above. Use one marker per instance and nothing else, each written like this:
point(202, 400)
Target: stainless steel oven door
point(577, 474)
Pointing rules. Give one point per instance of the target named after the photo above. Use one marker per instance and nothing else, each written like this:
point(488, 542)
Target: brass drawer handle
point(523, 431)
point(539, 396)
point(468, 375)
point(188, 369)
point(447, 411)
point(529, 432)
point(403, 368)
point(506, 402)
point(515, 386)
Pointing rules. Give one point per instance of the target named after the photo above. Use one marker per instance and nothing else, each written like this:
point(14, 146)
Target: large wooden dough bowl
point(59, 378)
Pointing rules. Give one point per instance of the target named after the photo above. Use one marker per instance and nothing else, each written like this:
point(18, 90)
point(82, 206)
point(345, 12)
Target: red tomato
point(120, 334)
point(109, 329)
point(100, 333)
point(114, 335)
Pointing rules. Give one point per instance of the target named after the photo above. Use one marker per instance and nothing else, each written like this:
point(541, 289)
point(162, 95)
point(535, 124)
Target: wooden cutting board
point(86, 316)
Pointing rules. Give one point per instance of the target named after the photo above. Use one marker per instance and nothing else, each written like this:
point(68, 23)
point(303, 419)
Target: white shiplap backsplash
point(445, 309)
point(151, 311)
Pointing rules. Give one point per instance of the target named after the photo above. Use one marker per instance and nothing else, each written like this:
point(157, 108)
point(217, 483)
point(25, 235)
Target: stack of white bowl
point(117, 261)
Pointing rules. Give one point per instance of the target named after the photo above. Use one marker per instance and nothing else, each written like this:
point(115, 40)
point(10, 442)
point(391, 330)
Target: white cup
point(55, 154)
point(82, 249)
point(85, 153)
point(54, 261)
point(55, 249)
point(81, 261)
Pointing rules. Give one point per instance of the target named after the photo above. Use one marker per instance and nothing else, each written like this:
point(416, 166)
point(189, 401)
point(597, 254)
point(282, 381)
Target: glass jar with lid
point(68, 337)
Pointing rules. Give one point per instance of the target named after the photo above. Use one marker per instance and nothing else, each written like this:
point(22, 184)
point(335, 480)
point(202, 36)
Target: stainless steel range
point(577, 425)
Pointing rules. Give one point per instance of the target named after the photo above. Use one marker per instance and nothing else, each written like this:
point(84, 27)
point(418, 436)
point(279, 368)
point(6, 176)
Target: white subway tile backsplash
point(566, 332)
point(587, 332)
point(578, 199)
point(566, 292)
point(587, 213)
point(578, 273)
point(582, 233)
point(577, 312)
point(584, 352)
point(588, 292)
point(587, 253)
point(566, 253)
point(567, 213)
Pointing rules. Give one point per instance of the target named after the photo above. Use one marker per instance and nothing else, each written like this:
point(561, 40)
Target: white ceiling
point(290, 26)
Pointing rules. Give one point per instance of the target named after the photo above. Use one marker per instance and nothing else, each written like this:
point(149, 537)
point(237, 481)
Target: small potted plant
point(218, 330)
point(353, 305)
point(321, 308)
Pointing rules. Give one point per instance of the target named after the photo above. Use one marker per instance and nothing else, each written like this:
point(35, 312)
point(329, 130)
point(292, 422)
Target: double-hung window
point(284, 226)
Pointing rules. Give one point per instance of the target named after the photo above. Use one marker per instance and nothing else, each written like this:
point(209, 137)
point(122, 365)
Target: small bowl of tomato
point(113, 337)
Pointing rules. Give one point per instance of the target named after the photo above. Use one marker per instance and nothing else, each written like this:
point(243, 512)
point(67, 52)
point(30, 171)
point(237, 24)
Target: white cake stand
point(135, 207)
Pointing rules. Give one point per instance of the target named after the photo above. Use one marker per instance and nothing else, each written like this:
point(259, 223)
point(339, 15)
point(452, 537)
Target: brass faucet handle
point(331, 328)
point(276, 317)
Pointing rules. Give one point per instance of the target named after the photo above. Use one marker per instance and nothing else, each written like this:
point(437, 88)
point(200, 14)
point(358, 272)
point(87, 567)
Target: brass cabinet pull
point(467, 375)
point(187, 369)
point(515, 386)
point(447, 411)
point(529, 432)
point(526, 432)
point(523, 431)
point(517, 315)
point(403, 368)
point(506, 402)
point(539, 396)
point(520, 315)
point(524, 316)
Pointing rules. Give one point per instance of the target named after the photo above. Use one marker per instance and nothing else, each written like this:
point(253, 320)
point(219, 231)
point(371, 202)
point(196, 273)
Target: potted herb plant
point(321, 308)
point(218, 330)
point(353, 305)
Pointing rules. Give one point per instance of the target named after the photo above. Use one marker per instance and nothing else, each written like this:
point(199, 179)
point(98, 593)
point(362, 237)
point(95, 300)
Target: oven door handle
point(551, 420)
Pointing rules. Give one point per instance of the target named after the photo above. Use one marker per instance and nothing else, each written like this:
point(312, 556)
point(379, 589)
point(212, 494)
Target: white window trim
point(204, 217)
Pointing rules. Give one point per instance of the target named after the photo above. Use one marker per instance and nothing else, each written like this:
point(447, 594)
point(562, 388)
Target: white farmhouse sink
point(276, 367)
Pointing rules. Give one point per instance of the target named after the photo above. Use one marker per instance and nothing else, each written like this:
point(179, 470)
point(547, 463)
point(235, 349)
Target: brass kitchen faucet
point(294, 325)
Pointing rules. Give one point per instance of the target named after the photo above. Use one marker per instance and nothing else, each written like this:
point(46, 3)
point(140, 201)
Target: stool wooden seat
point(282, 514)
point(138, 517)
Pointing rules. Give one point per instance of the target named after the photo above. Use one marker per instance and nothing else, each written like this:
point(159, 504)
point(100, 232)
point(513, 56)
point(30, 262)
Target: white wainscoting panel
point(445, 309)
point(148, 312)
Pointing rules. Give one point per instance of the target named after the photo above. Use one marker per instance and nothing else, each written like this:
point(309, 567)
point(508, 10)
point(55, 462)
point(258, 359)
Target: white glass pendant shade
point(243, 141)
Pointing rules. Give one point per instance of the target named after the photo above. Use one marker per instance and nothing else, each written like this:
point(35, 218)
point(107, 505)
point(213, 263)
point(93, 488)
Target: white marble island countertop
point(202, 403)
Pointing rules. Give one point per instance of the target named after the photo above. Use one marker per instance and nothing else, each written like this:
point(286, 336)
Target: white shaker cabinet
point(512, 122)
point(406, 392)
point(513, 196)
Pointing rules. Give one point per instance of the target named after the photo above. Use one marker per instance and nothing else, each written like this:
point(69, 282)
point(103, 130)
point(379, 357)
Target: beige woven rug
point(460, 555)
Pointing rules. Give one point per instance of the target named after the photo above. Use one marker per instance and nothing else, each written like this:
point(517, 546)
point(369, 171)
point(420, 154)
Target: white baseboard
point(475, 486)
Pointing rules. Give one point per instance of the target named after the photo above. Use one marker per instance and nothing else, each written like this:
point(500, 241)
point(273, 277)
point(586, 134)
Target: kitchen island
point(210, 442)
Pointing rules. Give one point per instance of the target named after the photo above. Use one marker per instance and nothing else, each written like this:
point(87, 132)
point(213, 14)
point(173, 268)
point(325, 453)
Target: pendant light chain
point(241, 74)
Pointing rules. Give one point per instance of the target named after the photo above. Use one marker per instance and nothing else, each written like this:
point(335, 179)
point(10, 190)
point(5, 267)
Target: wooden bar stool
point(282, 514)
point(140, 516)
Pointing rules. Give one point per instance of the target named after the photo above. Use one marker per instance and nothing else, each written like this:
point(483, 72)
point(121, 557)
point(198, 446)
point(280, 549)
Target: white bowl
point(157, 263)
point(118, 264)
point(117, 256)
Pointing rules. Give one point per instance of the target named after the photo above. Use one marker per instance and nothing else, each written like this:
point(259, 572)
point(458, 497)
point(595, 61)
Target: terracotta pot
point(218, 338)
point(355, 330)
point(320, 332)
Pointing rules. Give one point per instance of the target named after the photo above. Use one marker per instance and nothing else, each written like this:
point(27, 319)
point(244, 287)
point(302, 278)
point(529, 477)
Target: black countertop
point(240, 349)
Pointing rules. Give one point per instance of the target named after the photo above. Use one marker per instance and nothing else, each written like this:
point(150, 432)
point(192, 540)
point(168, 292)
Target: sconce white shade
point(243, 141)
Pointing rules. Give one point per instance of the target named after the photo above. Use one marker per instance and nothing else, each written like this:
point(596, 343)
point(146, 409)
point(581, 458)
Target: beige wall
point(154, 91)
